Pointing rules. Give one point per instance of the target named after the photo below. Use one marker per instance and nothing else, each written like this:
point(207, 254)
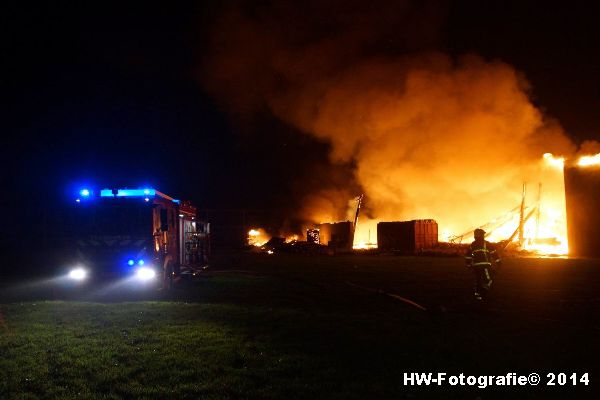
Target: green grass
point(172, 350)
point(140, 350)
point(294, 330)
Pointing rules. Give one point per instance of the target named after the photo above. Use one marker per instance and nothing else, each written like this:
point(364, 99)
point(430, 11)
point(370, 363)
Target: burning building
point(449, 137)
point(337, 235)
point(582, 189)
point(313, 236)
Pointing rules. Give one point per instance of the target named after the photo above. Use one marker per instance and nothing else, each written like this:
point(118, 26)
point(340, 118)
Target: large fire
point(425, 135)
point(535, 221)
point(258, 237)
point(545, 222)
point(544, 216)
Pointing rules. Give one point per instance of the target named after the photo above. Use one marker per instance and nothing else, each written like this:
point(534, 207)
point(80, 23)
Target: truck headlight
point(77, 274)
point(145, 273)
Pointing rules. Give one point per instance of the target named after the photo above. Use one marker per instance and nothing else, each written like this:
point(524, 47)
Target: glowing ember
point(586, 161)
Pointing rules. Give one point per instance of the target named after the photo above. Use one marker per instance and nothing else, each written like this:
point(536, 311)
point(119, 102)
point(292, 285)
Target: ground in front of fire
point(267, 326)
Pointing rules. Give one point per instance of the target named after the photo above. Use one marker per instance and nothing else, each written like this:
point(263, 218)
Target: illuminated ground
point(292, 327)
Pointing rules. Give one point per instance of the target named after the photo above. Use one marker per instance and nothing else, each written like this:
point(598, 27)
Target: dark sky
point(109, 94)
point(554, 45)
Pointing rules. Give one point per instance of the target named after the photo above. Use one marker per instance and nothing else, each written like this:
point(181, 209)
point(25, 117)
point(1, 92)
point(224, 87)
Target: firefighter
point(479, 258)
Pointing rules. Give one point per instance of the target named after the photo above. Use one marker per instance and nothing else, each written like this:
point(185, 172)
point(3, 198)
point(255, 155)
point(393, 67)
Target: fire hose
point(392, 295)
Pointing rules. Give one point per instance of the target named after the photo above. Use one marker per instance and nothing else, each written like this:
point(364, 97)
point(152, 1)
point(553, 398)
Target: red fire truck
point(136, 234)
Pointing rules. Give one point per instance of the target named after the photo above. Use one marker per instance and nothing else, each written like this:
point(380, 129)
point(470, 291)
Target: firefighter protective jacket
point(481, 253)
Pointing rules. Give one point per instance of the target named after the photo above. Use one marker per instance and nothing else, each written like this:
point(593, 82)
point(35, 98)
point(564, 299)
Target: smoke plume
point(430, 135)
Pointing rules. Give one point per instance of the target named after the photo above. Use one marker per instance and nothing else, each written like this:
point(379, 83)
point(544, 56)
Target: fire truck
point(139, 235)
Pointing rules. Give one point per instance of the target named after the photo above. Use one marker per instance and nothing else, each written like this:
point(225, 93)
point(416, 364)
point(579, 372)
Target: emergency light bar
point(146, 193)
point(128, 193)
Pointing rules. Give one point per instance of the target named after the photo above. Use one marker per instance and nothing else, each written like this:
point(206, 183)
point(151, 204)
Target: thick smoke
point(430, 135)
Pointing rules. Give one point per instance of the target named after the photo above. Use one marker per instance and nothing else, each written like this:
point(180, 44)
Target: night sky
point(112, 94)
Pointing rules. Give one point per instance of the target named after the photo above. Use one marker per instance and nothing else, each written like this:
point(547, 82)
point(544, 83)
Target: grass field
point(295, 327)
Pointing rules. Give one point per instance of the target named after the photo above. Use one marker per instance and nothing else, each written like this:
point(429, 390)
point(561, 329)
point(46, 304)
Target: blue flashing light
point(128, 193)
point(147, 199)
point(176, 201)
point(84, 192)
point(78, 200)
point(130, 262)
point(141, 262)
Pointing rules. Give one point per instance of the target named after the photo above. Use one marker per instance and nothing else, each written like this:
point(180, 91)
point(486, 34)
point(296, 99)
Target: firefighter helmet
point(479, 233)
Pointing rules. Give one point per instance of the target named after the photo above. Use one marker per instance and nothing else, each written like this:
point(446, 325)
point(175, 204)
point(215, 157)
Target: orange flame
point(292, 238)
point(545, 232)
point(257, 237)
point(586, 161)
point(558, 162)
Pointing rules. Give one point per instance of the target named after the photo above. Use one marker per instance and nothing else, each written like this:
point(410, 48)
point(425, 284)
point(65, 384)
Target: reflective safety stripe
point(468, 258)
point(481, 250)
point(483, 263)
